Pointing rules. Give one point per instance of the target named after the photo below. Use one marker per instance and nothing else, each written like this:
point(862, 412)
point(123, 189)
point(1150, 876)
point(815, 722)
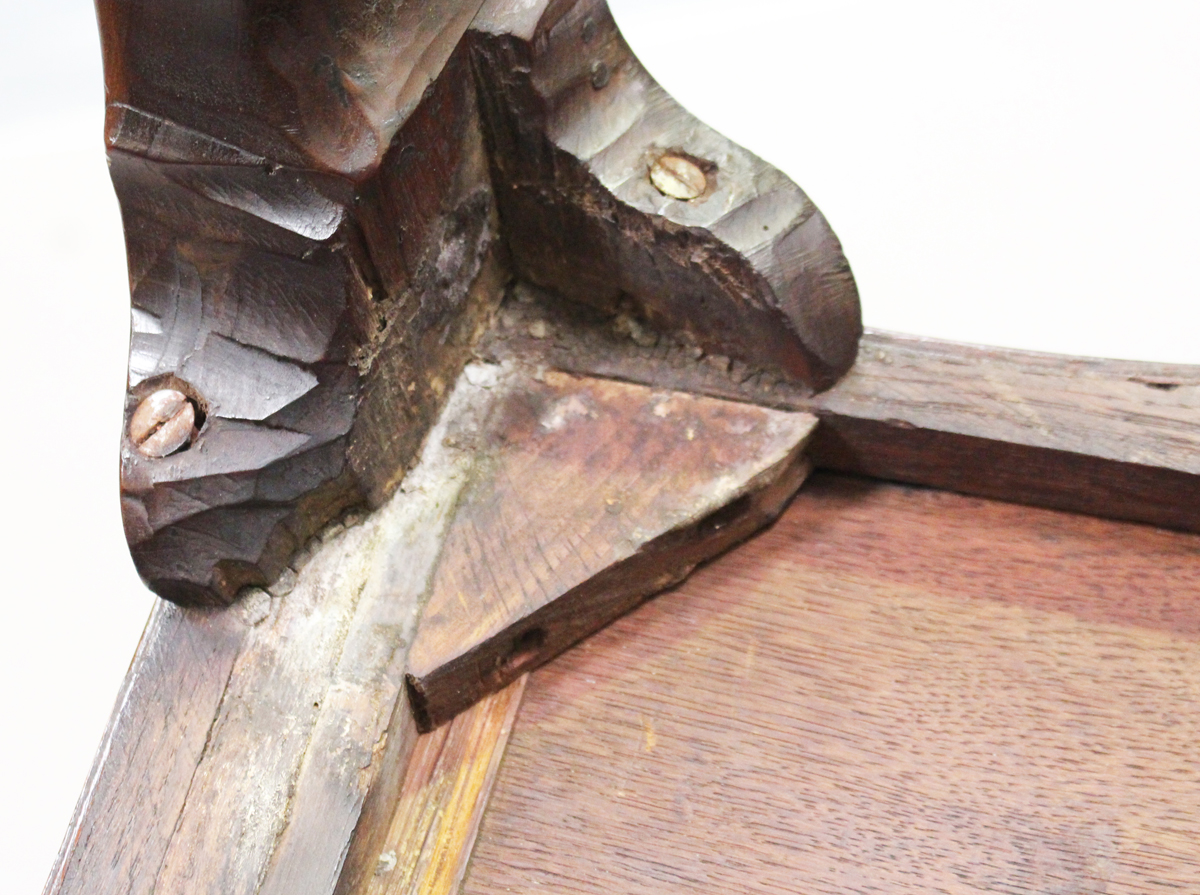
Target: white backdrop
point(1024, 175)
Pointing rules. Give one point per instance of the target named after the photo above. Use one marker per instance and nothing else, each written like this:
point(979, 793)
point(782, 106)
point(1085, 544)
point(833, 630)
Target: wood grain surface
point(323, 202)
point(428, 840)
point(1116, 439)
point(747, 267)
point(588, 496)
point(263, 747)
point(1109, 438)
point(893, 690)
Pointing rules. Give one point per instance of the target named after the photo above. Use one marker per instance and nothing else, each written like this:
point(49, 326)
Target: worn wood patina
point(455, 339)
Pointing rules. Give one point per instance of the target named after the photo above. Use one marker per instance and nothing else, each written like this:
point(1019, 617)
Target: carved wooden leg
point(323, 204)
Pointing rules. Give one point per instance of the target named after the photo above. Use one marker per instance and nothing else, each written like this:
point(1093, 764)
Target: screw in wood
point(163, 423)
point(600, 75)
point(678, 177)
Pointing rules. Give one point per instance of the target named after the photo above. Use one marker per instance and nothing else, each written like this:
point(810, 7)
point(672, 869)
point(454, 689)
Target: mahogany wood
point(1108, 438)
point(465, 262)
point(892, 690)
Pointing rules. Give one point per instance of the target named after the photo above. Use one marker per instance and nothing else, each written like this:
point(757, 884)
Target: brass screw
point(163, 423)
point(600, 75)
point(678, 178)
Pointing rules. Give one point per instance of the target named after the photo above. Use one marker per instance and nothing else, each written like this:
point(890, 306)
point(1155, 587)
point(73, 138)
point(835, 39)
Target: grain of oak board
point(893, 690)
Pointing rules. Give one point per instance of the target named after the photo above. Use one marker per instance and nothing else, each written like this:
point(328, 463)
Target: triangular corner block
point(589, 496)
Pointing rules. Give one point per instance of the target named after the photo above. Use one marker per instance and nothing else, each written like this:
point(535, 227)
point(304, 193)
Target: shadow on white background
point(1023, 176)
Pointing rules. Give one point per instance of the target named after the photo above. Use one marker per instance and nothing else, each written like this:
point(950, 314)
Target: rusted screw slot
point(163, 423)
point(678, 178)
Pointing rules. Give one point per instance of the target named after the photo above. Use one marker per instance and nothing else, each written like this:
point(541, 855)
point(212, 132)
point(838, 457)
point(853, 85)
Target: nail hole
point(526, 649)
point(1163, 385)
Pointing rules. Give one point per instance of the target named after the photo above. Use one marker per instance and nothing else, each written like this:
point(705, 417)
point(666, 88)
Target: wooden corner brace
point(324, 211)
point(454, 337)
point(315, 268)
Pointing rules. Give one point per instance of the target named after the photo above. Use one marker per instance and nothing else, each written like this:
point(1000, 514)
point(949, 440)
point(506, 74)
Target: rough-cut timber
point(893, 690)
point(591, 496)
point(323, 202)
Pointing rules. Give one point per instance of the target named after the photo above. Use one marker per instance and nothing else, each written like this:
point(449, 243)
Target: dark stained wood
point(326, 203)
point(892, 690)
point(1108, 438)
point(749, 268)
point(426, 844)
point(590, 496)
point(146, 765)
point(323, 202)
point(317, 347)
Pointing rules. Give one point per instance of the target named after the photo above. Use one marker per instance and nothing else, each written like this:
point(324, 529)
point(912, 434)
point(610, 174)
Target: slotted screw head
point(678, 178)
point(601, 75)
point(162, 423)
